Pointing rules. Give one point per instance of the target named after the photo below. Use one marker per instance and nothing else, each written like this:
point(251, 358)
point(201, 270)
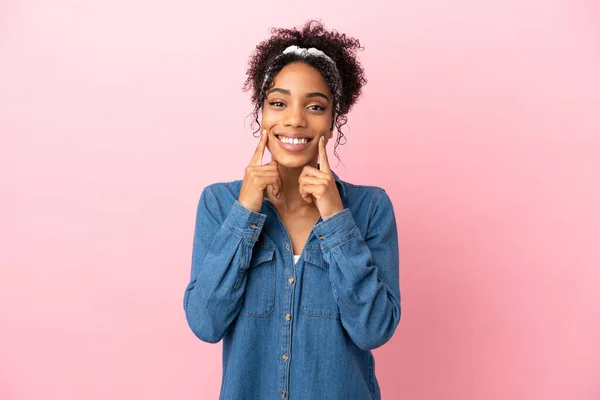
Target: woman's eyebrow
point(289, 93)
point(317, 94)
point(280, 90)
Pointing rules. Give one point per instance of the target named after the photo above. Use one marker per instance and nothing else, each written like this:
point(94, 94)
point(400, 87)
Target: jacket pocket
point(317, 293)
point(259, 296)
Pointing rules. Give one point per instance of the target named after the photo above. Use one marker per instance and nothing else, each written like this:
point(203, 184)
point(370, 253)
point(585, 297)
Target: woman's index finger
point(260, 149)
point(323, 160)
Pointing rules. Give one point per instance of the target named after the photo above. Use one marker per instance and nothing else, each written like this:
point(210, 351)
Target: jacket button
point(291, 280)
point(253, 226)
point(285, 357)
point(288, 317)
point(283, 394)
point(321, 237)
point(287, 246)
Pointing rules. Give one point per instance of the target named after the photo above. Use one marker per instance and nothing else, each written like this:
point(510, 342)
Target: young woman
point(296, 270)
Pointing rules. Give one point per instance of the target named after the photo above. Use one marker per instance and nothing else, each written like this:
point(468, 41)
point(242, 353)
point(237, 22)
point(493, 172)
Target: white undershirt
point(296, 257)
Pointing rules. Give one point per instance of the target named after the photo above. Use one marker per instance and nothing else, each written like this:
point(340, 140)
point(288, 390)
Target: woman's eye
point(276, 103)
point(317, 108)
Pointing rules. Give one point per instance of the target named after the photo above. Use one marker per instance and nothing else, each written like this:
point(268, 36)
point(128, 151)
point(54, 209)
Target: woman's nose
point(295, 117)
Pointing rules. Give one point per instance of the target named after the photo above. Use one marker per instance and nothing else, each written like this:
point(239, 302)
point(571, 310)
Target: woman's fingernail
point(264, 132)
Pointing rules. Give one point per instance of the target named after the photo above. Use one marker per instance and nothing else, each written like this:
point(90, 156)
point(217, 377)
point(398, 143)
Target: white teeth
point(293, 141)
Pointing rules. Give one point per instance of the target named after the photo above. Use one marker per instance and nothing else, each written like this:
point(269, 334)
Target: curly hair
point(267, 60)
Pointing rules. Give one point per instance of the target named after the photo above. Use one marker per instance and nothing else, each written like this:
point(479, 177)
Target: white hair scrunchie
point(303, 52)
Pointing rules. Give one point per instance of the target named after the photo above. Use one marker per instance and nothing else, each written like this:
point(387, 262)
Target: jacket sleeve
point(364, 272)
point(221, 254)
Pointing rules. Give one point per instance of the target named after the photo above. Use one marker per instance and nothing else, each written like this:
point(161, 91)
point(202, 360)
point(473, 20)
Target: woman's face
point(299, 105)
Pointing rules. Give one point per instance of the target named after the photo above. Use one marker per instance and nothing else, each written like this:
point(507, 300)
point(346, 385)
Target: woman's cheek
point(267, 121)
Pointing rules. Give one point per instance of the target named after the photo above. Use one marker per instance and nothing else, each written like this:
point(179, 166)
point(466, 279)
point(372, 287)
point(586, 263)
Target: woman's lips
point(292, 147)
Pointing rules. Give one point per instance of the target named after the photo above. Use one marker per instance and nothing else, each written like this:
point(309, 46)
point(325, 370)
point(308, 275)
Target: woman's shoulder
point(221, 194)
point(360, 190)
point(224, 189)
point(358, 187)
point(359, 197)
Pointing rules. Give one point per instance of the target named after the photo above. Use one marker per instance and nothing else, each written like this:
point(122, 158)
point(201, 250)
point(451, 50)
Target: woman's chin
point(291, 161)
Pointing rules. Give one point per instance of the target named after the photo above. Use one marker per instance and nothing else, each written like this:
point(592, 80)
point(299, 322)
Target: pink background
point(481, 120)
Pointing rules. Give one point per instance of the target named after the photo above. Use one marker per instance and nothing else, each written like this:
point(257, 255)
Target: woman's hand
point(258, 177)
point(318, 185)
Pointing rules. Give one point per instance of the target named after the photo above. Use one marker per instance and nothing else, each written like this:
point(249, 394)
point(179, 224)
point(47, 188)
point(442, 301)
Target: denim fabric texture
point(295, 331)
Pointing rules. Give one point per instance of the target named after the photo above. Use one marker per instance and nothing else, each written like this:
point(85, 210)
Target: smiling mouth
point(296, 141)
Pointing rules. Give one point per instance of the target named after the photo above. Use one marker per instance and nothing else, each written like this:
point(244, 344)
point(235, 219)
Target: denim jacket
point(295, 331)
